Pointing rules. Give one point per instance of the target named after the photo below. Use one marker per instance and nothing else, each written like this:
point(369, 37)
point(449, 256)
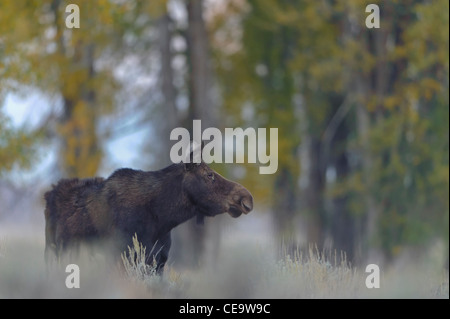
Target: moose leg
point(160, 253)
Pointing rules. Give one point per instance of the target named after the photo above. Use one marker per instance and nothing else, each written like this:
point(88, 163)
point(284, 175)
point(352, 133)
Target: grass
point(142, 273)
point(242, 270)
point(135, 263)
point(247, 272)
point(315, 274)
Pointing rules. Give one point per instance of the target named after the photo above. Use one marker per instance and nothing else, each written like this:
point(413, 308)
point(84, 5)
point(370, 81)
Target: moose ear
point(194, 156)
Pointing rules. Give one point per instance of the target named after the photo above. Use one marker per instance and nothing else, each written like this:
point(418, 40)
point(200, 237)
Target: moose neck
point(176, 207)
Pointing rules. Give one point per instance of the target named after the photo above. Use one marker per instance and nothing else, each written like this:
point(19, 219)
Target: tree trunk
point(190, 238)
point(168, 114)
point(314, 195)
point(199, 66)
point(80, 151)
point(341, 221)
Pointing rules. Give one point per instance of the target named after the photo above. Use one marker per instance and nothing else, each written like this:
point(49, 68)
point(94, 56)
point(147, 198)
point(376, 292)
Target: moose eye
point(211, 176)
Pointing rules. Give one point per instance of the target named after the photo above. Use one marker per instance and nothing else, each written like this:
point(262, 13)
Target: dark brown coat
point(149, 204)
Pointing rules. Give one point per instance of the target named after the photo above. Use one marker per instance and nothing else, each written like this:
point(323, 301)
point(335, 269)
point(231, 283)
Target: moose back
point(149, 204)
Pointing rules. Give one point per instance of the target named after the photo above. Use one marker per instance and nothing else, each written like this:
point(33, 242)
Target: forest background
point(362, 113)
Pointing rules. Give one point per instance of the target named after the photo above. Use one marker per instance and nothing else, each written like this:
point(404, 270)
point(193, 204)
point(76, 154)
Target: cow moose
point(149, 204)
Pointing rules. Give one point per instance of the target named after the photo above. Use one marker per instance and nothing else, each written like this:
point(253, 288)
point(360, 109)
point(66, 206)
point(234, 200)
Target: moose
point(146, 203)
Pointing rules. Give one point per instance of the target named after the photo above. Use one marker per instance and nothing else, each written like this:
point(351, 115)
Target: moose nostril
point(247, 203)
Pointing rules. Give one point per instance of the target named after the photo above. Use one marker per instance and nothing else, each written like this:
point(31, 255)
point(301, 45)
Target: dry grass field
point(243, 269)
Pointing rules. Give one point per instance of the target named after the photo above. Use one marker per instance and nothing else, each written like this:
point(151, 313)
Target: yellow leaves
point(155, 9)
point(406, 98)
point(283, 16)
point(286, 156)
point(430, 87)
point(80, 150)
point(426, 40)
point(391, 102)
point(73, 83)
point(399, 52)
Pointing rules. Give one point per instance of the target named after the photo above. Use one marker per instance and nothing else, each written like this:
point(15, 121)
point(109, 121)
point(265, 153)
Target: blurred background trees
point(362, 113)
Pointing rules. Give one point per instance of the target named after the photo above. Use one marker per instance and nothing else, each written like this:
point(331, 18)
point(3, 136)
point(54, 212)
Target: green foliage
point(410, 142)
point(17, 146)
point(322, 52)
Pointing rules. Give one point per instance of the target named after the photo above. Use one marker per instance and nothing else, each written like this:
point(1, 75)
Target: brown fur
point(149, 204)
